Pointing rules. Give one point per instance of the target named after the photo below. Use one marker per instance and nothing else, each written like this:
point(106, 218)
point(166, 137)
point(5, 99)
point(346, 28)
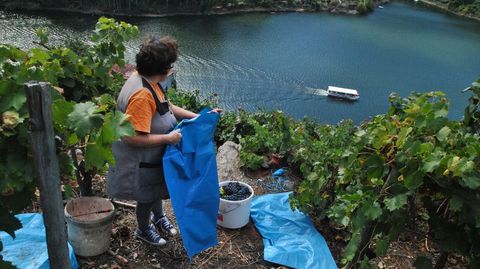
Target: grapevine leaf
point(442, 135)
point(472, 181)
point(414, 180)
point(430, 166)
point(60, 110)
point(9, 222)
point(381, 247)
point(84, 118)
point(6, 86)
point(396, 202)
point(14, 100)
point(85, 70)
point(374, 211)
point(39, 55)
point(413, 109)
point(426, 147)
point(455, 203)
point(72, 139)
point(454, 165)
point(352, 246)
point(466, 166)
point(360, 133)
point(413, 147)
point(106, 135)
point(423, 262)
point(359, 218)
point(97, 156)
point(402, 136)
point(120, 124)
point(375, 166)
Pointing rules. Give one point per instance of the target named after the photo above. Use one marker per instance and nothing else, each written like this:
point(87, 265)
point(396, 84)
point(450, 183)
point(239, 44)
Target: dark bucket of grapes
point(235, 200)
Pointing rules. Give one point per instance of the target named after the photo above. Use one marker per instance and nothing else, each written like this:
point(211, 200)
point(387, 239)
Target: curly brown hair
point(156, 56)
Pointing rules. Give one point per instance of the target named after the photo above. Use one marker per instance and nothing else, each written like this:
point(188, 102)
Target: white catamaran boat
point(343, 93)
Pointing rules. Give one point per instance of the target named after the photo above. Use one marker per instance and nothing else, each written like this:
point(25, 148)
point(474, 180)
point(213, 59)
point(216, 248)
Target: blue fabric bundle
point(289, 237)
point(191, 175)
point(29, 248)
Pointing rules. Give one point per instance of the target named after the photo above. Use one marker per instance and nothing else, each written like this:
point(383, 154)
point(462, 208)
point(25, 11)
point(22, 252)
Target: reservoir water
point(283, 61)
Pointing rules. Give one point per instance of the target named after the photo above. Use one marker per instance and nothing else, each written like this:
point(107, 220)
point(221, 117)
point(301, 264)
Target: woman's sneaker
point(150, 235)
point(163, 223)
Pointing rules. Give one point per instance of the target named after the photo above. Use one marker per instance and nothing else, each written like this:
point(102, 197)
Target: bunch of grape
point(234, 191)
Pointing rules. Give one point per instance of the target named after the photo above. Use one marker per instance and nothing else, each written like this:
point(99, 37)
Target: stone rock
point(228, 157)
point(228, 166)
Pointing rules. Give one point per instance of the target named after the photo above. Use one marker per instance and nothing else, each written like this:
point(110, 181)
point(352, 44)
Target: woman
point(138, 172)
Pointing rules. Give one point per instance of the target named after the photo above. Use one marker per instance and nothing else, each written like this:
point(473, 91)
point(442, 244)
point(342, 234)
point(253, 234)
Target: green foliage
point(251, 161)
point(84, 118)
point(472, 111)
point(411, 157)
point(83, 73)
point(364, 6)
point(191, 99)
point(467, 7)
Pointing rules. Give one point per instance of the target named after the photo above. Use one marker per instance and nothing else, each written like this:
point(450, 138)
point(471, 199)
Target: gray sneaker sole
point(162, 243)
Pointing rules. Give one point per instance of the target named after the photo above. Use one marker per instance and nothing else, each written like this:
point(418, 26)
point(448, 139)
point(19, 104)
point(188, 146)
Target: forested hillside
point(463, 7)
point(161, 7)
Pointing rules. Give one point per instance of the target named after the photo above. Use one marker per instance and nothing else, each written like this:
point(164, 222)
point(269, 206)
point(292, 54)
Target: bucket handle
point(230, 210)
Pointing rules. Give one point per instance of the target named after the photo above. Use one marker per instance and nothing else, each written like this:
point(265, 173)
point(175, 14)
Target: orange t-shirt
point(141, 108)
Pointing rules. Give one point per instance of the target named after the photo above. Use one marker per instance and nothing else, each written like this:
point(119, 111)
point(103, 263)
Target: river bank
point(444, 8)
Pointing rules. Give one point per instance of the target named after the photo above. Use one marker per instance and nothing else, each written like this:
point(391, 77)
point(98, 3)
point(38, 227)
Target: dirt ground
point(237, 248)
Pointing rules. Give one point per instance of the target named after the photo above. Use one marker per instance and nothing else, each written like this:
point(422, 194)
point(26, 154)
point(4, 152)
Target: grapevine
point(83, 111)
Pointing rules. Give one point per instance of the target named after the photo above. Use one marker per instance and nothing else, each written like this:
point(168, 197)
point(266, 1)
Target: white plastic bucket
point(89, 225)
point(234, 214)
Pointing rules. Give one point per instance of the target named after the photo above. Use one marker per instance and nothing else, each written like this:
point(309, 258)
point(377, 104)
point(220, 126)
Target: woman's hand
point(174, 137)
point(216, 110)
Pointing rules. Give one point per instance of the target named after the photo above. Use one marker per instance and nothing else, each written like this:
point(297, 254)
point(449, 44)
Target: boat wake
point(237, 85)
point(315, 91)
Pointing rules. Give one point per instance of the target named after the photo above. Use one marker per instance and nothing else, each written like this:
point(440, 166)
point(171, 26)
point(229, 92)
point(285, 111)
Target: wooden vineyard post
point(42, 139)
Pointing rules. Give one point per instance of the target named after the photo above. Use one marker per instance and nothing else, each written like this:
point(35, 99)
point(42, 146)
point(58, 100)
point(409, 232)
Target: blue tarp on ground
point(29, 248)
point(289, 237)
point(191, 175)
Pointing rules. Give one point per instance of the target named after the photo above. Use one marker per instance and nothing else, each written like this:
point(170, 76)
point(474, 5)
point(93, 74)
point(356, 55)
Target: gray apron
point(138, 171)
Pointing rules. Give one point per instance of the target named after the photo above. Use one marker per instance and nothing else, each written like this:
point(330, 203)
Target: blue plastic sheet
point(289, 237)
point(191, 175)
point(29, 248)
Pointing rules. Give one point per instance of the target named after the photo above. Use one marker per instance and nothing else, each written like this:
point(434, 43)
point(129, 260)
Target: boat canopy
point(342, 90)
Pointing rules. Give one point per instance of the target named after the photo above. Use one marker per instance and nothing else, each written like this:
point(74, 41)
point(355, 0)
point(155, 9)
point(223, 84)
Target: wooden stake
point(42, 139)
